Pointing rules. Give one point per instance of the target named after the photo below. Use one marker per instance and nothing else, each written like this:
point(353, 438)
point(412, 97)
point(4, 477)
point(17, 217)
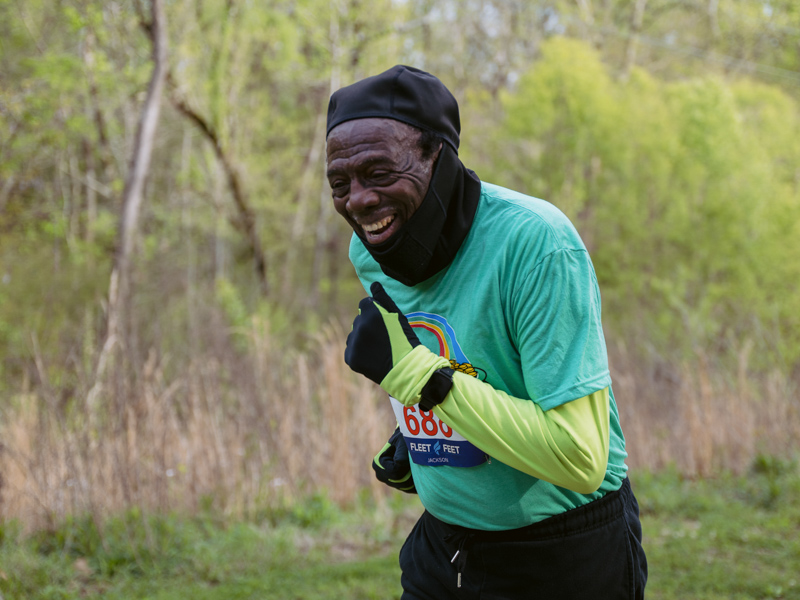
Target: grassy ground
point(731, 538)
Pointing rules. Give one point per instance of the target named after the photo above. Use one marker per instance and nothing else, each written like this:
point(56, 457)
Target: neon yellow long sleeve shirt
point(566, 445)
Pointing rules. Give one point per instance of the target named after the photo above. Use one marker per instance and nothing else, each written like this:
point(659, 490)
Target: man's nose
point(361, 197)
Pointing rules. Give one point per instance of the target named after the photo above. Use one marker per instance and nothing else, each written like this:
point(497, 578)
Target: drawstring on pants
point(465, 541)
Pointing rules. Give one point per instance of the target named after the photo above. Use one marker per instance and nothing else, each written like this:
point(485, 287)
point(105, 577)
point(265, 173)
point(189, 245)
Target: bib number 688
point(429, 424)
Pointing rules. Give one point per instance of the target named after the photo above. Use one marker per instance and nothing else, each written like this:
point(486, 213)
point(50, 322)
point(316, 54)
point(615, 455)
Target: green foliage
point(36, 264)
point(313, 512)
point(676, 188)
point(127, 545)
point(230, 301)
point(685, 190)
point(774, 471)
point(563, 113)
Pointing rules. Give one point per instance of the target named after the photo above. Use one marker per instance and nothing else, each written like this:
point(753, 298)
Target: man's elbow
point(588, 470)
point(587, 449)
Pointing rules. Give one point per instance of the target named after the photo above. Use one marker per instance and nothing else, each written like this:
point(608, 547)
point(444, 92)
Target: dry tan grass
point(204, 438)
point(240, 432)
point(703, 419)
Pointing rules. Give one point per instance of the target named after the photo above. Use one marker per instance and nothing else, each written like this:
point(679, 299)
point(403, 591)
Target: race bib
point(432, 442)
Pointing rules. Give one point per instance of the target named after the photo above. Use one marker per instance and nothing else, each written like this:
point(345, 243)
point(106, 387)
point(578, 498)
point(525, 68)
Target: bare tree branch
point(247, 216)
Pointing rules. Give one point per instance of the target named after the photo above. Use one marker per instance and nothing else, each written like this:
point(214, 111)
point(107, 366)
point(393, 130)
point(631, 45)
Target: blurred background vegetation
point(666, 130)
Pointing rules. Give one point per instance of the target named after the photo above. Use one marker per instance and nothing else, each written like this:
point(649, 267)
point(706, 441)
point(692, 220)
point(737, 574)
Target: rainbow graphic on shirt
point(427, 324)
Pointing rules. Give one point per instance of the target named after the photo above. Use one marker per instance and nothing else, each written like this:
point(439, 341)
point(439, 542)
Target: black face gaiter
point(430, 239)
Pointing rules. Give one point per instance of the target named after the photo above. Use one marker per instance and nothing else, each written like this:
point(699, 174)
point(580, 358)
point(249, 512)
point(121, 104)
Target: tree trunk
point(187, 226)
point(95, 113)
point(586, 12)
point(633, 41)
point(119, 284)
point(91, 192)
point(299, 226)
point(713, 20)
point(321, 243)
point(5, 191)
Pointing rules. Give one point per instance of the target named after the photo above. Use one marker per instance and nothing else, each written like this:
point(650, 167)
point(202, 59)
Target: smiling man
point(483, 325)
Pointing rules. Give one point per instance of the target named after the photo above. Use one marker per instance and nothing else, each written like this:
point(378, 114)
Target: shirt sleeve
point(555, 322)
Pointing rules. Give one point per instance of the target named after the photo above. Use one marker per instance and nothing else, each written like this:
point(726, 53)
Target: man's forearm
point(566, 445)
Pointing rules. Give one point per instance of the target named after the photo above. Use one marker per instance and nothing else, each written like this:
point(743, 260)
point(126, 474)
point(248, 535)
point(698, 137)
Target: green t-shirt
point(519, 308)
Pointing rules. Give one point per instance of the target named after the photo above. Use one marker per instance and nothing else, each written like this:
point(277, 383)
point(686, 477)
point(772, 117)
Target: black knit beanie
point(404, 94)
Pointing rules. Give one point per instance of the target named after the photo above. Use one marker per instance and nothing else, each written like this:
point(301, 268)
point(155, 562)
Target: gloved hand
point(384, 347)
point(392, 465)
point(380, 338)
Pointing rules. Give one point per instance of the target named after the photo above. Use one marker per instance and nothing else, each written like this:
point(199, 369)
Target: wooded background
point(174, 283)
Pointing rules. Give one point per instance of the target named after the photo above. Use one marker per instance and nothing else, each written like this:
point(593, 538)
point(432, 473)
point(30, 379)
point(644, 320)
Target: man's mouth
point(375, 231)
point(379, 226)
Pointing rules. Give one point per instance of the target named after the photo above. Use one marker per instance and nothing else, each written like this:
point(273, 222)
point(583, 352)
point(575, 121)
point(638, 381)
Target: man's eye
point(339, 187)
point(381, 176)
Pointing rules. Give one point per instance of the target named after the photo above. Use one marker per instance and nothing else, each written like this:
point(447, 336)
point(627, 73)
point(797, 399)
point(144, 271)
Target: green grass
point(727, 537)
point(731, 538)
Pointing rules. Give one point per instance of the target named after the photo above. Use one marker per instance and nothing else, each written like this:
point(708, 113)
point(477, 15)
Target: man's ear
point(438, 152)
point(435, 157)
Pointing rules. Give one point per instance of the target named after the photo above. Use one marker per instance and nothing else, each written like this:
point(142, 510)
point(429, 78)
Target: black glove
point(381, 336)
point(392, 466)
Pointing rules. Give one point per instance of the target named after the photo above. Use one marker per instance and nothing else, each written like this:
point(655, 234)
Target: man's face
point(377, 176)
